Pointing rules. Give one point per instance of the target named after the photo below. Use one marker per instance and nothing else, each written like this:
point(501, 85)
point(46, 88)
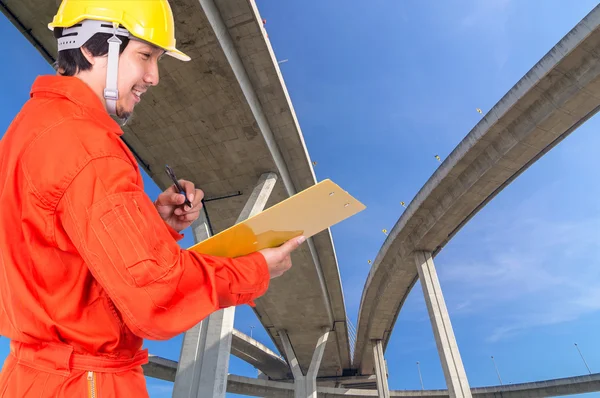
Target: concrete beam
point(160, 368)
point(454, 371)
point(269, 364)
point(381, 373)
point(218, 25)
point(259, 356)
point(259, 387)
point(204, 360)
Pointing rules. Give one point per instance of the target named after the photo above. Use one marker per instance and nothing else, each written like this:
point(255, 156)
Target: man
point(89, 264)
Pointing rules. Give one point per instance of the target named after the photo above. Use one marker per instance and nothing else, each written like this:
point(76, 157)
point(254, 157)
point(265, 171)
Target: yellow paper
point(306, 213)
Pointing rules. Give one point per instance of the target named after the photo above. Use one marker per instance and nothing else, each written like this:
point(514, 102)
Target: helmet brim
point(175, 53)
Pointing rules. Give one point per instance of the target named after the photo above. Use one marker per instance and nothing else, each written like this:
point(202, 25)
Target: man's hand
point(170, 205)
point(278, 258)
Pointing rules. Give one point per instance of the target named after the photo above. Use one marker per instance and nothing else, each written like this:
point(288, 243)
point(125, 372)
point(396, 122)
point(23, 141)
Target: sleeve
point(160, 289)
point(176, 235)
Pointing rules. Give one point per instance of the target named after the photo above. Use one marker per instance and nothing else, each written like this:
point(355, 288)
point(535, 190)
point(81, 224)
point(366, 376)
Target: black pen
point(177, 185)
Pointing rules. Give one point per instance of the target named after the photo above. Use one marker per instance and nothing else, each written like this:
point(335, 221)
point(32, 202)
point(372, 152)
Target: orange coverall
point(87, 266)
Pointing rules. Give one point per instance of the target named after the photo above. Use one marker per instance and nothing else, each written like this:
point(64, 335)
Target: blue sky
point(380, 88)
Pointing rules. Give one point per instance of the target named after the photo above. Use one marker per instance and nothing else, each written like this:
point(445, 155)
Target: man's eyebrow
point(153, 48)
point(150, 46)
point(162, 50)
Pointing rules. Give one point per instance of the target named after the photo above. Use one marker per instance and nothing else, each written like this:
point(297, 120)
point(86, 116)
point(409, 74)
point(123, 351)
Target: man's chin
point(124, 115)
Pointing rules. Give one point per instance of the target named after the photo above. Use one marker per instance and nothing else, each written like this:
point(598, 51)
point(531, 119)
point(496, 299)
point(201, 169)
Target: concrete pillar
point(187, 378)
point(315, 364)
point(299, 383)
point(305, 386)
point(204, 360)
point(380, 370)
point(454, 371)
point(200, 228)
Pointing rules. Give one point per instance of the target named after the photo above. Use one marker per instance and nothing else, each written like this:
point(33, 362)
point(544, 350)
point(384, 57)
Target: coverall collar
point(78, 92)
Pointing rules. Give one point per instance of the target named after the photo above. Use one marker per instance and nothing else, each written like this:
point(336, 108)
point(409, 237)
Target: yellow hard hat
point(148, 20)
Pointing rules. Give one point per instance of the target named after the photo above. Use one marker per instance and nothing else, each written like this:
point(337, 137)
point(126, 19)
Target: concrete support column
point(204, 360)
point(200, 228)
point(187, 378)
point(454, 371)
point(380, 369)
point(305, 386)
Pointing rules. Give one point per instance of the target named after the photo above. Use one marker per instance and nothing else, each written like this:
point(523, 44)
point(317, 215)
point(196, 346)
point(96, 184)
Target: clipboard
point(305, 213)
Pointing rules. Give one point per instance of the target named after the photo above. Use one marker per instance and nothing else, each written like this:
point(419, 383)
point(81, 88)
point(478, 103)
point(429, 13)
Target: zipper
point(91, 385)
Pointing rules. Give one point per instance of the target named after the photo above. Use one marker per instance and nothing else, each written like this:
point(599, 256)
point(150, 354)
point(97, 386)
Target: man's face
point(138, 70)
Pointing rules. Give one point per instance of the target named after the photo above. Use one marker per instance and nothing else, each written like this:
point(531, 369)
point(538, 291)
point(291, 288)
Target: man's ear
point(88, 55)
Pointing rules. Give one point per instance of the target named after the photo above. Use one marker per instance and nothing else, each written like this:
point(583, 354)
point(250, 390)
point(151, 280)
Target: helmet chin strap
point(76, 36)
point(111, 92)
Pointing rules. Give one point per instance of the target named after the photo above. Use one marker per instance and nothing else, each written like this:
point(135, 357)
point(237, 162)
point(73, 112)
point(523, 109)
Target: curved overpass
point(555, 97)
point(165, 370)
point(547, 388)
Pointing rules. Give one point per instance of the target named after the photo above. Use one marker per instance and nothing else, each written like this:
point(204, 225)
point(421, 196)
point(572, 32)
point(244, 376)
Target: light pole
point(497, 372)
point(420, 377)
point(586, 365)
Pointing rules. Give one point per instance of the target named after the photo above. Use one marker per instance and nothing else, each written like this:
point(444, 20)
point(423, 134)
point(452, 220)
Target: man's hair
point(71, 62)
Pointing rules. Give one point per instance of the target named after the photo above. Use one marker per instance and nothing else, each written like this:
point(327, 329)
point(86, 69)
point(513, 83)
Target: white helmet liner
point(76, 36)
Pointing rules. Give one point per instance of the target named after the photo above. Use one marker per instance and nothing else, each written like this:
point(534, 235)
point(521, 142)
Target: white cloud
point(555, 311)
point(529, 271)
